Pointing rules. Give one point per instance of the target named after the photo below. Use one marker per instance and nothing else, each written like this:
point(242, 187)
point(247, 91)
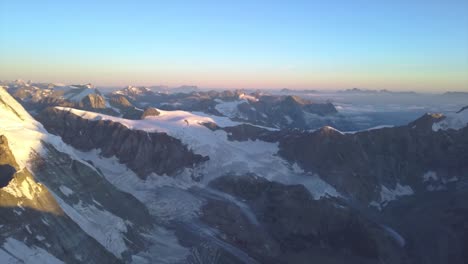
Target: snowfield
point(108, 229)
point(14, 251)
point(452, 121)
point(225, 156)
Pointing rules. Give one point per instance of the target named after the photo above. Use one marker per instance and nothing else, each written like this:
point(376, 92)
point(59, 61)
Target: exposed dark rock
point(119, 101)
point(424, 123)
point(434, 224)
point(6, 174)
point(8, 165)
point(291, 227)
point(6, 156)
point(93, 101)
point(141, 151)
point(211, 126)
point(462, 109)
point(125, 107)
point(150, 112)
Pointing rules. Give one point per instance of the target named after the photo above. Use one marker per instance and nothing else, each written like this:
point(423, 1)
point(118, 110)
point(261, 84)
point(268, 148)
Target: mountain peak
point(426, 121)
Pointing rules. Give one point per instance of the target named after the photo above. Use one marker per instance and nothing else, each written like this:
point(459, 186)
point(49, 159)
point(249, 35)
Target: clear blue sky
point(400, 45)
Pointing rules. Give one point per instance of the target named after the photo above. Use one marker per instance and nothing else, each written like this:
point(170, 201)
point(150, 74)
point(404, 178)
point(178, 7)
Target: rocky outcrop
point(93, 101)
point(150, 111)
point(8, 165)
point(6, 156)
point(462, 109)
point(119, 101)
point(141, 151)
point(125, 107)
point(284, 224)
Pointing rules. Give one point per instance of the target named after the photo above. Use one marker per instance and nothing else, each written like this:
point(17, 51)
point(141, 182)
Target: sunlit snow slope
point(225, 156)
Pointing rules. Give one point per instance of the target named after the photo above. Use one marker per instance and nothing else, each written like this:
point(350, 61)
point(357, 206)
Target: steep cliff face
point(141, 151)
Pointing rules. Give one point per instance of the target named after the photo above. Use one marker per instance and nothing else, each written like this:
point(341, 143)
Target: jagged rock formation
point(141, 151)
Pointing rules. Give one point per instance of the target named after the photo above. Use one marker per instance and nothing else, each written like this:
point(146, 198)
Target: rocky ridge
point(141, 151)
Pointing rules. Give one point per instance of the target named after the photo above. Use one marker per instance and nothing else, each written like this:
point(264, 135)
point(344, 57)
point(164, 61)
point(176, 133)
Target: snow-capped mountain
point(175, 186)
point(278, 111)
point(37, 96)
point(49, 213)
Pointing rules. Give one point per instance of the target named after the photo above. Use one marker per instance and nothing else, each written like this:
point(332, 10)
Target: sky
point(398, 45)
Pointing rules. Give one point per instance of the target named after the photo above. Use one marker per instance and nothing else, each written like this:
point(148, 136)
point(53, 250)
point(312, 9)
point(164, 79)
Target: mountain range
point(143, 176)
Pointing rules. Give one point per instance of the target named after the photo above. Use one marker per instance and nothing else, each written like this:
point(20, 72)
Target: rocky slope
point(365, 165)
point(35, 228)
point(124, 107)
point(292, 227)
point(93, 101)
point(433, 224)
point(57, 209)
point(377, 165)
point(141, 151)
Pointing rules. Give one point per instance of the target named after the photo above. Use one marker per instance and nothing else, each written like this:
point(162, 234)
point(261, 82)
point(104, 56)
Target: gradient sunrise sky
point(399, 45)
